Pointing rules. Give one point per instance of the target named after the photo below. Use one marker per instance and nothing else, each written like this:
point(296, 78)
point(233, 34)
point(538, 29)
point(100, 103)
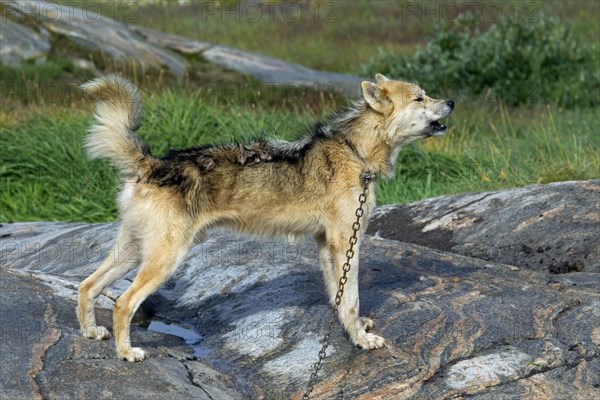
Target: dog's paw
point(367, 323)
point(96, 332)
point(134, 354)
point(370, 341)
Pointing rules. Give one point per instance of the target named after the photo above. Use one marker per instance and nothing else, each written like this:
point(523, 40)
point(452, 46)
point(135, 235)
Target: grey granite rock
point(277, 72)
point(170, 41)
point(149, 48)
point(21, 44)
point(96, 33)
point(266, 69)
point(554, 227)
point(456, 326)
point(45, 357)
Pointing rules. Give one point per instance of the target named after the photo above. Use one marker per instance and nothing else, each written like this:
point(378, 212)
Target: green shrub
point(518, 62)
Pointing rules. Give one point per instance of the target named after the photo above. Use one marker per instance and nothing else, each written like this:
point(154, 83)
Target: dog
point(306, 187)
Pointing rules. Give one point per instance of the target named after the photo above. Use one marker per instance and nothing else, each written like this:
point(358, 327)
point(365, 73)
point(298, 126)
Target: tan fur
point(308, 187)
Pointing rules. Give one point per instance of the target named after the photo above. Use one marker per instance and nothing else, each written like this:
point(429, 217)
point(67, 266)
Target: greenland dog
point(277, 188)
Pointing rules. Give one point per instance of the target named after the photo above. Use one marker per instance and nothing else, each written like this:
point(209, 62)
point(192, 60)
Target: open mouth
point(437, 129)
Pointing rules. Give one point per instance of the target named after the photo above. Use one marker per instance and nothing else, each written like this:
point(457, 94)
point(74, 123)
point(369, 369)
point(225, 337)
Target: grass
point(45, 175)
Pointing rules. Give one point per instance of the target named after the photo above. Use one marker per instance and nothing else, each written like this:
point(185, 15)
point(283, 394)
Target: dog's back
point(268, 196)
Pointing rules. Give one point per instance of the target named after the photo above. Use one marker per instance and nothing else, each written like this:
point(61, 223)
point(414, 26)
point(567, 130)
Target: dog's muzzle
point(437, 129)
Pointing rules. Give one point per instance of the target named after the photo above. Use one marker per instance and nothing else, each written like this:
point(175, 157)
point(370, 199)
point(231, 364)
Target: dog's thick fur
point(305, 187)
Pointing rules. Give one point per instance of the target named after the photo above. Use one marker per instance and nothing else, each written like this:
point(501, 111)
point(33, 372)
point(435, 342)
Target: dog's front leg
point(332, 254)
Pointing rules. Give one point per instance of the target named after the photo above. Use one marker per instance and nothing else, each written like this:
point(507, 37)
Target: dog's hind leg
point(124, 256)
point(163, 251)
point(348, 311)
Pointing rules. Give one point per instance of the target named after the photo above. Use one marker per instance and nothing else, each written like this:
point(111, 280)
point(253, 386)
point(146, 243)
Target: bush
point(519, 62)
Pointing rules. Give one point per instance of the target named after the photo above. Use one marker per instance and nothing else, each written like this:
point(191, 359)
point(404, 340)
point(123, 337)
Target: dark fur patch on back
point(174, 168)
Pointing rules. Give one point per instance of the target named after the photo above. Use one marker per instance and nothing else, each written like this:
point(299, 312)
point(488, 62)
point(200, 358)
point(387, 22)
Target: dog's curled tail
point(117, 118)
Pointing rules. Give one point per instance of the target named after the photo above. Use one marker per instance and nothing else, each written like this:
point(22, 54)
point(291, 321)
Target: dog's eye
point(419, 99)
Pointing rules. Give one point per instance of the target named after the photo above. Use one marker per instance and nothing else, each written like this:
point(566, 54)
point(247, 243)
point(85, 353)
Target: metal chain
point(338, 297)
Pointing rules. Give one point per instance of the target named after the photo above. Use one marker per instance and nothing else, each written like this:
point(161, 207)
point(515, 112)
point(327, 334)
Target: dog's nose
point(450, 103)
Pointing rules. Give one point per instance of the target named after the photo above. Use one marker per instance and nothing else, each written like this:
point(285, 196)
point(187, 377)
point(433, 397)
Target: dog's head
point(408, 114)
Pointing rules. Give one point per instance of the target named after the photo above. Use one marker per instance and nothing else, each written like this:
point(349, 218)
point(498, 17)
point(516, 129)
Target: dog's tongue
point(437, 125)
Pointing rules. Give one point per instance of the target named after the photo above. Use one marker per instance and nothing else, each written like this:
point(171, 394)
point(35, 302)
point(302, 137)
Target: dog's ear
point(375, 97)
point(380, 78)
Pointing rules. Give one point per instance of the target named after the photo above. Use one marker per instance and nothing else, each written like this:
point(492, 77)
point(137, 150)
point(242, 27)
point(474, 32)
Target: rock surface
point(148, 48)
point(169, 41)
point(273, 71)
point(456, 326)
point(21, 44)
point(45, 356)
point(554, 227)
point(96, 33)
point(266, 69)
